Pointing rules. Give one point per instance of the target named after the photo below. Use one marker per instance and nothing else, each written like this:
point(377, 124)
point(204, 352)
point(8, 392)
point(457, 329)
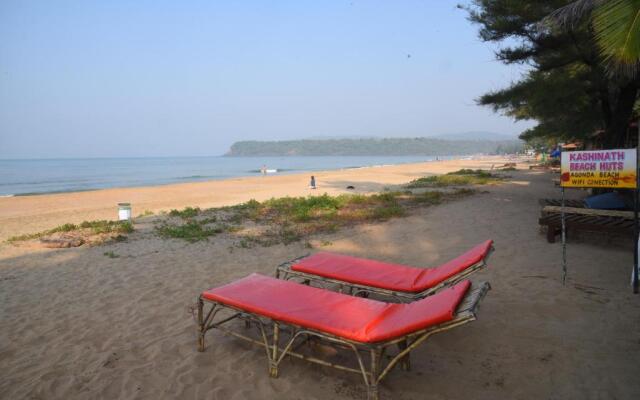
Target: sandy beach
point(28, 214)
point(77, 324)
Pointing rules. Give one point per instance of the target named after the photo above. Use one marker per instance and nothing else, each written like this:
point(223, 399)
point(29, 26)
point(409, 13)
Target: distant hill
point(471, 135)
point(373, 147)
point(477, 135)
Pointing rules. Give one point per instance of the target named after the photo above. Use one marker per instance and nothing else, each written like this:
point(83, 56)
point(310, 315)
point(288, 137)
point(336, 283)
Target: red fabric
point(349, 317)
point(389, 276)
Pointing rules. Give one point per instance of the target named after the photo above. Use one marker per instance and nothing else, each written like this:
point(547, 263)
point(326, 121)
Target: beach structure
point(558, 202)
point(585, 219)
point(288, 315)
point(603, 169)
point(124, 211)
point(362, 276)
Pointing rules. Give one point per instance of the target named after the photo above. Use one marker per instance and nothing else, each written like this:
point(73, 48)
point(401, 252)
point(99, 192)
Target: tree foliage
point(617, 27)
point(566, 89)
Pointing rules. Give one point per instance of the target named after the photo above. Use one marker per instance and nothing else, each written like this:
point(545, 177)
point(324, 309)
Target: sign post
point(636, 231)
point(615, 169)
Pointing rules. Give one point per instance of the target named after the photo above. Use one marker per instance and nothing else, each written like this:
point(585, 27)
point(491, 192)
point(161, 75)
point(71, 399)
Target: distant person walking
point(263, 170)
point(312, 184)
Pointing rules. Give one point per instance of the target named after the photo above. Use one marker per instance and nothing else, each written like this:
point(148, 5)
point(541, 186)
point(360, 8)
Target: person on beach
point(312, 184)
point(263, 170)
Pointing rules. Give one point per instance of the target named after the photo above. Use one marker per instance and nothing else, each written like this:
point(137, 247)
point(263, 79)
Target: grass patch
point(110, 254)
point(146, 213)
point(86, 227)
point(104, 226)
point(462, 177)
point(188, 212)
point(192, 231)
point(430, 198)
point(287, 220)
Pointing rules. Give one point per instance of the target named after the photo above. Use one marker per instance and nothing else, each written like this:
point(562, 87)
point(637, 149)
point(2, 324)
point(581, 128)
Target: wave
point(31, 178)
point(70, 190)
point(257, 171)
point(45, 182)
point(196, 177)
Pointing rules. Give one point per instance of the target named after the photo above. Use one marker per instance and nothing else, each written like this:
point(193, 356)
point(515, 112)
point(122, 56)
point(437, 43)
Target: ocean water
point(30, 177)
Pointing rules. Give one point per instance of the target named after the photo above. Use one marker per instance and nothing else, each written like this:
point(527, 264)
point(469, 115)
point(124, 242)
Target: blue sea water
point(29, 177)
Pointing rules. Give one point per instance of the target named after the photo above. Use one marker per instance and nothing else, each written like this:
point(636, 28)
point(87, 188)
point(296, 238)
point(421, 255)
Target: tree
point(567, 89)
point(616, 25)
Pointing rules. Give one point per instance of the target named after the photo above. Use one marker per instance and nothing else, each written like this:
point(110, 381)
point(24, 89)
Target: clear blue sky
point(170, 78)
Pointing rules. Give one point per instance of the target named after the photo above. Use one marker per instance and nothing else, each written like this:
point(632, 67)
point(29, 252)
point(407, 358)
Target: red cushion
point(388, 276)
point(354, 318)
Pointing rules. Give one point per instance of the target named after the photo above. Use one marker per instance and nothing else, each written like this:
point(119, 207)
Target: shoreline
point(29, 214)
point(174, 180)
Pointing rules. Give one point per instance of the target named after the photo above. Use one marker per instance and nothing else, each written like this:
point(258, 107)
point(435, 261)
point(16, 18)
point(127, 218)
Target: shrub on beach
point(97, 227)
point(188, 212)
point(462, 177)
point(290, 219)
point(191, 231)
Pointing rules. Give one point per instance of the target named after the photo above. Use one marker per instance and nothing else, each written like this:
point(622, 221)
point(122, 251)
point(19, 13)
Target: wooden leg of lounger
point(405, 363)
point(201, 325)
point(372, 389)
point(273, 369)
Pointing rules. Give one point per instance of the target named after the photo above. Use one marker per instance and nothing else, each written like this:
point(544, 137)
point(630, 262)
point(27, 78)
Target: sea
point(34, 177)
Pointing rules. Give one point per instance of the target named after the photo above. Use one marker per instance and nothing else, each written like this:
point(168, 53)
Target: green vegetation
point(569, 89)
point(192, 231)
point(104, 226)
point(278, 220)
point(146, 213)
point(462, 177)
point(372, 147)
point(326, 209)
point(429, 198)
point(188, 212)
point(91, 227)
point(290, 219)
point(616, 28)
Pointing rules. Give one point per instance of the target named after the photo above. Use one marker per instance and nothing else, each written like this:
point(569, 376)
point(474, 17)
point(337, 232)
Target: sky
point(189, 78)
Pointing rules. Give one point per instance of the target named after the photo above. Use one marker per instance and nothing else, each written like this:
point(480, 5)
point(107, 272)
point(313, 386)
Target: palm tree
point(616, 25)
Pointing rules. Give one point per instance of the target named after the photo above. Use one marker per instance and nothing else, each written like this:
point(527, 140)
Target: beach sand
point(77, 324)
point(29, 214)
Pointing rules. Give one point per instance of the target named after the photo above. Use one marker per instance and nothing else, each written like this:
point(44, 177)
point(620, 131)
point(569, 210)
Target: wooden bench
point(585, 219)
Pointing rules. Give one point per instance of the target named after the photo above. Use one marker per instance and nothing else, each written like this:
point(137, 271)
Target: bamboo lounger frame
point(284, 272)
point(372, 376)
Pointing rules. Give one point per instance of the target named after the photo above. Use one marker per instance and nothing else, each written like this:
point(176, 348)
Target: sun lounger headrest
point(433, 276)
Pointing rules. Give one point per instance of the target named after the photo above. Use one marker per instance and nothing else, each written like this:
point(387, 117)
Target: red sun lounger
point(364, 276)
point(288, 315)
